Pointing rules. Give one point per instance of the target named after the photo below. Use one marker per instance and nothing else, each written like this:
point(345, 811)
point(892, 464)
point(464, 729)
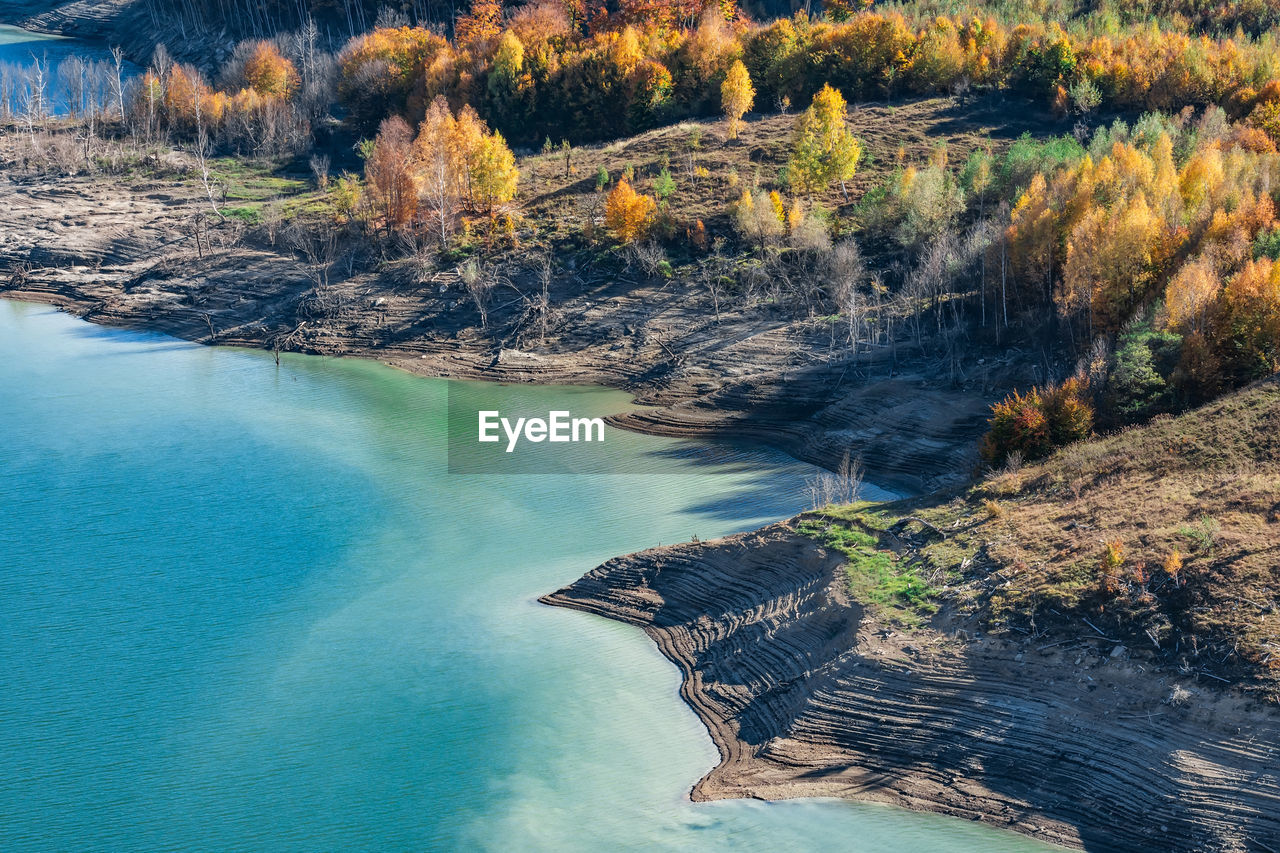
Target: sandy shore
point(805, 695)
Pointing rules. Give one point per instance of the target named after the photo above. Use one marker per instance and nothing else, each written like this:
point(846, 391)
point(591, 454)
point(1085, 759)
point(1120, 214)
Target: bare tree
point(8, 84)
point(317, 250)
point(843, 486)
point(844, 271)
point(479, 284)
point(117, 80)
point(201, 151)
point(35, 93)
point(320, 169)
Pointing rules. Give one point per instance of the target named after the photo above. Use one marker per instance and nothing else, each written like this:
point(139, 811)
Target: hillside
point(277, 273)
point(948, 654)
point(1164, 538)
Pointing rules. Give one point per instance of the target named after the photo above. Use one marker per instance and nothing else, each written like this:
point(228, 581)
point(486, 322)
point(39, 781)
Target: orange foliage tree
point(269, 73)
point(1035, 423)
point(628, 214)
point(388, 172)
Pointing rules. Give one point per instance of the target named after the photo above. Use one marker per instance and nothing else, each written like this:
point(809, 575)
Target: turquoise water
point(245, 607)
point(20, 48)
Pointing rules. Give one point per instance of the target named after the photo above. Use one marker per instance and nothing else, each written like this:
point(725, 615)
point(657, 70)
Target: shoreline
point(793, 701)
point(801, 714)
point(1080, 749)
point(118, 253)
point(836, 754)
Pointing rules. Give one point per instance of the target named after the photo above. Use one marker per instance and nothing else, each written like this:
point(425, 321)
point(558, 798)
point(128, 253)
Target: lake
point(247, 607)
point(21, 49)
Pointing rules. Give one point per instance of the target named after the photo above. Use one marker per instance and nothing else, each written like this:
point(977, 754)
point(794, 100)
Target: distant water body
point(20, 49)
point(246, 608)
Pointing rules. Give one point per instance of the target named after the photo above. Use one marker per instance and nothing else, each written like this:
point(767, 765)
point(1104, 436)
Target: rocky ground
point(1084, 743)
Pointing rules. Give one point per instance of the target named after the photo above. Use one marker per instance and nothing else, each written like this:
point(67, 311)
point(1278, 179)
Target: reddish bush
point(1035, 423)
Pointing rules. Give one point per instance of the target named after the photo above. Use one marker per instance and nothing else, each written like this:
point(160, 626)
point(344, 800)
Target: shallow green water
point(247, 608)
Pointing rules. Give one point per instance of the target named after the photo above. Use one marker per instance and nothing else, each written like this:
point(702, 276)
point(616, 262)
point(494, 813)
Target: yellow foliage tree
point(823, 150)
point(736, 95)
point(494, 173)
point(1190, 293)
point(628, 214)
point(438, 167)
point(1110, 260)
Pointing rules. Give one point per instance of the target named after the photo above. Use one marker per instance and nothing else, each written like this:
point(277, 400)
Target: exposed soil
point(806, 695)
point(123, 252)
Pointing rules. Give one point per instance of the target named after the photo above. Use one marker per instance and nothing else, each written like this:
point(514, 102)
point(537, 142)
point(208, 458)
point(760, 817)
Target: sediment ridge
point(805, 694)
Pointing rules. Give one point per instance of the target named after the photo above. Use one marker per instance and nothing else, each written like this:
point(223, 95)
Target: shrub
point(1035, 423)
point(1112, 560)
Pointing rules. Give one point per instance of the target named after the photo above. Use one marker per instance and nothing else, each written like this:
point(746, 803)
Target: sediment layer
point(805, 695)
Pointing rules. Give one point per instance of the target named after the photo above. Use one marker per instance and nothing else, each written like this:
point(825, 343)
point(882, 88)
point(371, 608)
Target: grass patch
point(247, 215)
point(876, 576)
point(249, 180)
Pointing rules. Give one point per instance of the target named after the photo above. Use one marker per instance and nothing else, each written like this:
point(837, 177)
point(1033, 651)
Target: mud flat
point(805, 695)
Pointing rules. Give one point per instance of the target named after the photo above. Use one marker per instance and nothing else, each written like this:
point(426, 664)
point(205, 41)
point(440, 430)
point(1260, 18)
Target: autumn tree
point(388, 172)
point(494, 176)
point(628, 214)
point(1111, 258)
point(269, 73)
point(510, 83)
point(381, 68)
point(1032, 241)
point(489, 176)
point(823, 150)
point(438, 166)
point(1247, 339)
point(477, 29)
point(1190, 293)
point(736, 95)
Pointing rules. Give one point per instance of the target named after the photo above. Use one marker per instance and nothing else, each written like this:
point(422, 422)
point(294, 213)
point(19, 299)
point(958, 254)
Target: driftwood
point(903, 522)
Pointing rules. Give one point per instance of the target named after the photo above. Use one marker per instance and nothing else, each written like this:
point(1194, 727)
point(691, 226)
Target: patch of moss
point(248, 215)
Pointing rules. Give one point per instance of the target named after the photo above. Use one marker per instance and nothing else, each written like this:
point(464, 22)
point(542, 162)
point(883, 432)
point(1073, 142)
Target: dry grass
point(1165, 537)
